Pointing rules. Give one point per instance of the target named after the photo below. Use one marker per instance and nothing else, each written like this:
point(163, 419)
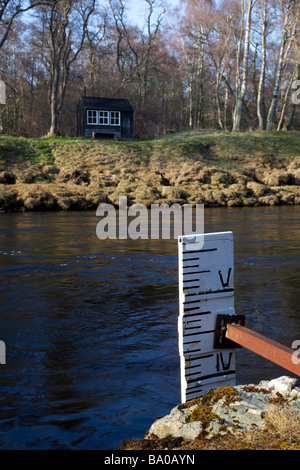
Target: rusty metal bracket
point(230, 333)
point(221, 341)
point(265, 347)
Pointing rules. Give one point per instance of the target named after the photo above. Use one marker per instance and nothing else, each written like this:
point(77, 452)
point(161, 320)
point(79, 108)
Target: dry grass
point(282, 432)
point(214, 168)
point(284, 423)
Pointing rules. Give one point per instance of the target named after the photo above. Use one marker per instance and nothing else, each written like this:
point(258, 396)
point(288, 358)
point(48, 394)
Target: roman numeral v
point(225, 284)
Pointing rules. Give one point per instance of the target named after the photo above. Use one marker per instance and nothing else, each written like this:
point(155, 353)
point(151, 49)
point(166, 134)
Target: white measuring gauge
point(206, 289)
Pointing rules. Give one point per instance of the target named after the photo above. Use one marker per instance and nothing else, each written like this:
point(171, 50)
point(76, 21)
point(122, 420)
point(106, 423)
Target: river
point(90, 326)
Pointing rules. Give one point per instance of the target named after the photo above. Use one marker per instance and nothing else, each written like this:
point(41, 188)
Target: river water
point(90, 326)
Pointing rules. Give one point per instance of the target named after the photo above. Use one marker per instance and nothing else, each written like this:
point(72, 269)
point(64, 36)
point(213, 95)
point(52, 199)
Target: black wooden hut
point(104, 117)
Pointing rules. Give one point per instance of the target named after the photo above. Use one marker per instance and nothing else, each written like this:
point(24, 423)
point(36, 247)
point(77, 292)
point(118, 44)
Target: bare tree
point(64, 28)
point(261, 107)
point(95, 36)
point(287, 117)
point(135, 50)
point(289, 26)
point(242, 89)
point(9, 11)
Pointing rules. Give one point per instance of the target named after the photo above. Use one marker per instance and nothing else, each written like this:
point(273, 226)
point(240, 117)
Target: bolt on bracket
point(220, 340)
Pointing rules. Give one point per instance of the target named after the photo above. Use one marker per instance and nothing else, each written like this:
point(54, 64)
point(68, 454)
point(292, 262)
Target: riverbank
point(254, 417)
point(198, 167)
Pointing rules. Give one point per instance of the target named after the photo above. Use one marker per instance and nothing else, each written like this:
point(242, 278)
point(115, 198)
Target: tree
point(9, 11)
point(63, 26)
point(135, 49)
point(95, 37)
point(288, 118)
point(192, 39)
point(289, 26)
point(261, 107)
point(242, 88)
point(219, 52)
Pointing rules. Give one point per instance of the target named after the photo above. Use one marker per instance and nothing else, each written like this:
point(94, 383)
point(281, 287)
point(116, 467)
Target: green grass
point(23, 152)
point(219, 149)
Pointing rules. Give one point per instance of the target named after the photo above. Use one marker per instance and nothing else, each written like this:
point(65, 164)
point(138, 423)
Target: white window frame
point(105, 117)
point(91, 115)
point(94, 117)
point(117, 115)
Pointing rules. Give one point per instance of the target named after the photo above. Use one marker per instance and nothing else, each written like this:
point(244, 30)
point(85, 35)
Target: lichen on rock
point(232, 411)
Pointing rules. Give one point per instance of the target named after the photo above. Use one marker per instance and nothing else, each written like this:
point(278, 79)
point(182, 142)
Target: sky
point(137, 10)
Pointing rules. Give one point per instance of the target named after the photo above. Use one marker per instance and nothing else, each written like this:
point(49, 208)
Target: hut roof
point(113, 104)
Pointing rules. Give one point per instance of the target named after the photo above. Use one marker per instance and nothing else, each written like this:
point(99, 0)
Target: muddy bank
point(54, 187)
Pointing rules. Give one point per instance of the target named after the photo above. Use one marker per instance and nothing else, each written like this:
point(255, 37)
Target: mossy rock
point(8, 199)
point(36, 177)
point(7, 177)
point(257, 189)
point(77, 176)
point(221, 178)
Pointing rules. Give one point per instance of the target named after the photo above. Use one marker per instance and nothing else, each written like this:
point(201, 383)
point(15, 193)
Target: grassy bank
point(214, 168)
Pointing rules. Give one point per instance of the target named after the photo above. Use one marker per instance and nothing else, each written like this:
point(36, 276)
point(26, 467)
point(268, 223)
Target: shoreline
point(265, 416)
point(210, 168)
point(79, 192)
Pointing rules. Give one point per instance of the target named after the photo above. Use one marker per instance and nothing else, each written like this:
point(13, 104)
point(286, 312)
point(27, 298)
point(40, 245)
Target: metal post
point(265, 347)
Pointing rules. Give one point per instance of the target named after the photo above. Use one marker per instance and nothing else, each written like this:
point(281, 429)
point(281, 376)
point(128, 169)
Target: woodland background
point(227, 64)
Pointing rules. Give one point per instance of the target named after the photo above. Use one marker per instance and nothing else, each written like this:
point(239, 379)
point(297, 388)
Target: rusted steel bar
point(265, 347)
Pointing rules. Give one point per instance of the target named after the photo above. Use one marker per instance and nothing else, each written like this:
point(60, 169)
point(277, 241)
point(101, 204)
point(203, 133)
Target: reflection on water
point(90, 326)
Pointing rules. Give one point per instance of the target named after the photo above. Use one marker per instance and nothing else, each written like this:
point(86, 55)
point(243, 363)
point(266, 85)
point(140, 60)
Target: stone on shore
point(227, 411)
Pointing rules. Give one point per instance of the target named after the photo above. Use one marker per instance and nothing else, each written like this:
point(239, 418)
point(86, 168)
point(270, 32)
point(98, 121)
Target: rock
point(189, 431)
point(237, 202)
point(173, 193)
point(35, 177)
point(276, 178)
point(244, 410)
point(221, 178)
point(7, 177)
point(270, 200)
point(257, 189)
point(164, 427)
point(296, 176)
point(283, 385)
point(170, 424)
point(245, 413)
point(77, 176)
point(176, 425)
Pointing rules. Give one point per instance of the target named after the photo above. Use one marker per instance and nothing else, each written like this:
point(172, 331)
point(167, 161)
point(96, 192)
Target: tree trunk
point(241, 93)
point(225, 109)
point(54, 119)
point(279, 72)
point(261, 110)
point(217, 93)
point(280, 123)
point(54, 102)
point(190, 102)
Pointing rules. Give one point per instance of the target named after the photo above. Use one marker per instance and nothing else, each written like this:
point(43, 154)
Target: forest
point(232, 65)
